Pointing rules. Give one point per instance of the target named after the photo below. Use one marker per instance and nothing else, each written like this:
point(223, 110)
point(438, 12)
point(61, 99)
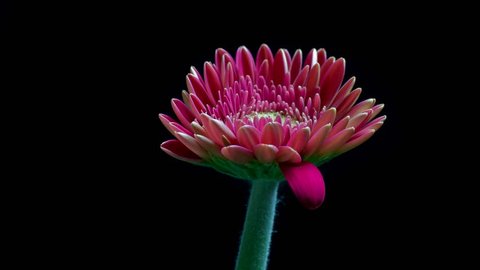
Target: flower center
point(270, 116)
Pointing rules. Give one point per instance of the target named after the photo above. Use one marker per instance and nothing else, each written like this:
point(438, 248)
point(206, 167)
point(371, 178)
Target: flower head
point(271, 117)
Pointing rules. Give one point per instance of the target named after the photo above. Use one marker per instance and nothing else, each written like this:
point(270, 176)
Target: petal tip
point(306, 182)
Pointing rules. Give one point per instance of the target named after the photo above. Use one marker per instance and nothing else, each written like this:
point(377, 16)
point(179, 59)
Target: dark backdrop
point(147, 208)
point(90, 80)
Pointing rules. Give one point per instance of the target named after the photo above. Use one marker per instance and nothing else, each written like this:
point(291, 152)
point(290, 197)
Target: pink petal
point(311, 58)
point(317, 102)
point(166, 120)
point(248, 136)
point(212, 81)
point(299, 139)
point(286, 78)
point(230, 76)
point(177, 150)
point(347, 104)
point(340, 125)
point(325, 118)
point(183, 113)
point(197, 106)
point(333, 81)
point(362, 106)
point(301, 78)
point(375, 111)
point(289, 58)
point(280, 66)
point(191, 144)
point(342, 93)
point(356, 120)
point(173, 126)
point(306, 182)
point(332, 144)
point(272, 133)
point(221, 129)
point(194, 72)
point(286, 134)
point(207, 144)
point(264, 70)
point(366, 120)
point(288, 154)
point(186, 99)
point(316, 140)
point(197, 129)
point(376, 124)
point(264, 54)
point(296, 64)
point(224, 62)
point(222, 58)
point(325, 68)
point(195, 86)
point(245, 62)
point(216, 129)
point(176, 127)
point(265, 153)
point(321, 56)
point(361, 137)
point(313, 80)
point(237, 154)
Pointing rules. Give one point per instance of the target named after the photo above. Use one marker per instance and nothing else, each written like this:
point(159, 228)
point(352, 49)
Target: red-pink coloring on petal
point(306, 182)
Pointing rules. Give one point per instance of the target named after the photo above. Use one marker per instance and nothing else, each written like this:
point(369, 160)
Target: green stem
point(257, 230)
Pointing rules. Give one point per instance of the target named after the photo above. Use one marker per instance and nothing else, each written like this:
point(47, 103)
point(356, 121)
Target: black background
point(128, 203)
point(163, 208)
point(379, 210)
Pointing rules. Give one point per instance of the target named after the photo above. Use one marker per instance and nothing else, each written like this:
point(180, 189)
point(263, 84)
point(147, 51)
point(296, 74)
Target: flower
point(271, 118)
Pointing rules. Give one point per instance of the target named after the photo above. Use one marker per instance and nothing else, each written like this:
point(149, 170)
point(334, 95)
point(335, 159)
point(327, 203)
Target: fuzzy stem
point(257, 229)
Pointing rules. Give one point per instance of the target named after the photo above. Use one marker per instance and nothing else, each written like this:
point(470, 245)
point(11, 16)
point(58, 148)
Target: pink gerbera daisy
point(271, 118)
